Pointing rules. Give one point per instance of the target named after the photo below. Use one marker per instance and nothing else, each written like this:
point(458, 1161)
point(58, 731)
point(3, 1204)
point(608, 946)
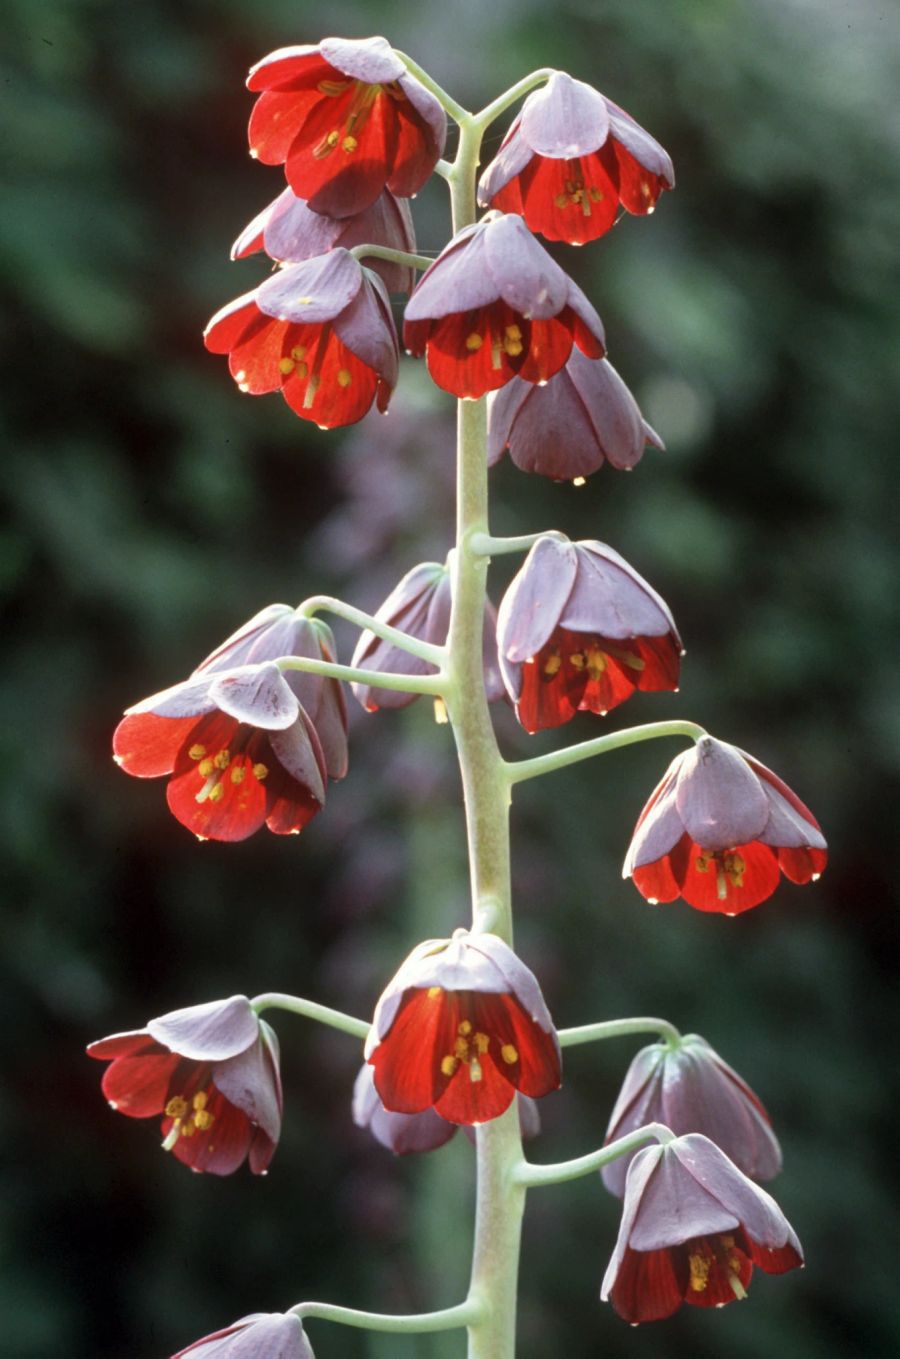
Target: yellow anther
point(302, 370)
point(596, 662)
point(596, 195)
point(344, 377)
point(223, 759)
point(513, 348)
point(197, 752)
point(238, 773)
point(433, 992)
point(188, 1129)
point(203, 1120)
point(496, 354)
point(553, 664)
point(513, 333)
point(461, 1049)
point(349, 144)
point(176, 1107)
point(482, 1042)
point(298, 352)
point(285, 366)
point(200, 1100)
point(260, 771)
point(699, 1267)
point(449, 1065)
point(205, 767)
point(333, 138)
point(509, 1054)
point(703, 862)
point(464, 1028)
point(217, 793)
point(333, 87)
point(735, 867)
point(578, 660)
point(562, 200)
point(475, 1071)
point(474, 341)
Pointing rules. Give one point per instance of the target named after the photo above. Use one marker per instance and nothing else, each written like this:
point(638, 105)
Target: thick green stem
point(531, 1176)
point(449, 1319)
point(310, 1009)
point(411, 684)
point(426, 651)
point(446, 101)
point(619, 1028)
point(559, 759)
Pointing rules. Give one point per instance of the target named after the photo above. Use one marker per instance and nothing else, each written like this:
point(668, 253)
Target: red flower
point(688, 1087)
point(692, 1229)
point(406, 1133)
point(290, 232)
point(244, 743)
point(346, 118)
point(719, 829)
point(321, 332)
point(460, 1028)
point(264, 1335)
point(495, 306)
point(211, 1071)
point(570, 159)
point(567, 427)
point(420, 606)
point(579, 629)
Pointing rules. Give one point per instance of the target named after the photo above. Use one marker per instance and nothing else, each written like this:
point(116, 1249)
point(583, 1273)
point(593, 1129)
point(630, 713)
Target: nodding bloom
point(719, 829)
point(495, 306)
point(570, 159)
point(693, 1226)
point(566, 428)
point(320, 332)
point(460, 1028)
point(244, 743)
point(346, 119)
point(579, 629)
point(420, 606)
point(211, 1072)
point(686, 1086)
point(406, 1133)
point(290, 232)
point(264, 1335)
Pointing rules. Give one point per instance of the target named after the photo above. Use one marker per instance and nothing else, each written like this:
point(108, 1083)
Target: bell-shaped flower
point(686, 1086)
point(570, 159)
point(568, 427)
point(244, 742)
point(495, 306)
point(460, 1028)
point(579, 629)
point(719, 829)
point(346, 119)
point(320, 332)
point(693, 1226)
point(406, 1133)
point(211, 1073)
point(264, 1335)
point(290, 232)
point(420, 606)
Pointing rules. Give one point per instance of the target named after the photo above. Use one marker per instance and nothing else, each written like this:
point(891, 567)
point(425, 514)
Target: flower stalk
point(519, 770)
point(531, 1176)
point(311, 1009)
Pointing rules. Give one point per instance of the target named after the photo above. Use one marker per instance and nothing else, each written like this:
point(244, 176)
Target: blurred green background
point(151, 508)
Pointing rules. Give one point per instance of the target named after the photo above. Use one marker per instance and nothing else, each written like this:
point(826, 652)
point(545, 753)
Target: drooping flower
point(263, 1335)
point(570, 159)
point(320, 332)
point(495, 306)
point(420, 606)
point(693, 1226)
point(460, 1028)
point(346, 119)
point(406, 1133)
point(567, 428)
point(686, 1086)
point(579, 629)
point(290, 232)
point(719, 829)
point(244, 742)
point(211, 1072)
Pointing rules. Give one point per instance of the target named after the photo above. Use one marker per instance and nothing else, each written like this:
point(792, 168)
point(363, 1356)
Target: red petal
point(277, 118)
point(638, 188)
point(760, 878)
point(338, 388)
point(337, 182)
point(407, 1062)
point(471, 372)
point(414, 153)
point(773, 1260)
point(802, 865)
point(549, 348)
point(241, 808)
point(254, 361)
point(139, 1086)
point(467, 1101)
point(538, 1070)
point(646, 1287)
point(656, 881)
point(146, 745)
point(221, 1148)
point(548, 200)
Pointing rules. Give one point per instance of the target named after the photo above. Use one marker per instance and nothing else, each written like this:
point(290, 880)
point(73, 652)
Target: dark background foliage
point(150, 509)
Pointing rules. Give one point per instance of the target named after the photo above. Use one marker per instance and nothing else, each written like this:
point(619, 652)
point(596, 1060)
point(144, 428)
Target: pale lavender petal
point(565, 119)
point(675, 1207)
point(531, 608)
point(257, 695)
point(609, 598)
point(371, 60)
point(525, 276)
point(208, 1033)
point(719, 798)
point(313, 292)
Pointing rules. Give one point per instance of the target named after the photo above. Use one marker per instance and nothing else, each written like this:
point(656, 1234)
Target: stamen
point(285, 367)
point(449, 1065)
point(196, 752)
point(238, 773)
point(223, 759)
point(298, 352)
point(216, 793)
point(475, 1071)
point(465, 1027)
point(172, 1136)
point(474, 341)
point(699, 1267)
point(205, 768)
point(509, 1054)
point(344, 377)
point(553, 663)
point(177, 1107)
point(433, 992)
point(260, 771)
point(482, 1042)
point(349, 144)
point(737, 1287)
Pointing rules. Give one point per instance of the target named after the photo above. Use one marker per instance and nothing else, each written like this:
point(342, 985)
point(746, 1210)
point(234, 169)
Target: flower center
point(729, 867)
point(213, 769)
point(712, 1256)
point(189, 1116)
point(575, 193)
point(469, 1048)
point(357, 112)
